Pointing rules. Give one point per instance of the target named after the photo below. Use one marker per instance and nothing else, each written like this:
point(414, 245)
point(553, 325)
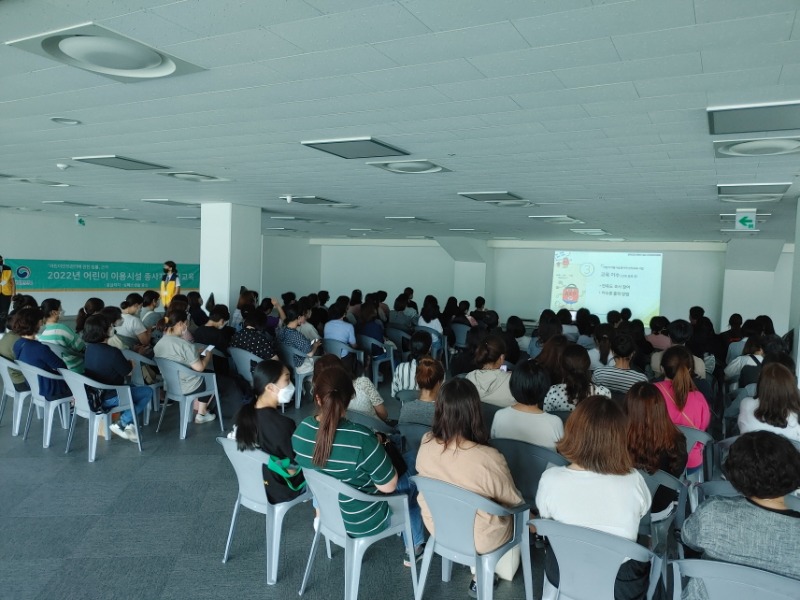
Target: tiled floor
point(153, 526)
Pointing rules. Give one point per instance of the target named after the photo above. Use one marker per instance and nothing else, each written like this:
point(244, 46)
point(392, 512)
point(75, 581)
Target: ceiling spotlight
point(65, 121)
point(192, 176)
point(406, 167)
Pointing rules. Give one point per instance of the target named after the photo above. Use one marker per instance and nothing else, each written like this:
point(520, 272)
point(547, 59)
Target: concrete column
point(230, 251)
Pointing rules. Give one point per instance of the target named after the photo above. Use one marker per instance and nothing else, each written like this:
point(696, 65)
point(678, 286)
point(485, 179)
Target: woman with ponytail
point(260, 425)
point(685, 404)
point(91, 307)
point(491, 380)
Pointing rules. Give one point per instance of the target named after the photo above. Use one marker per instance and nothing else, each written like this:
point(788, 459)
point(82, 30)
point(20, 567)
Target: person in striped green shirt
point(62, 335)
point(329, 443)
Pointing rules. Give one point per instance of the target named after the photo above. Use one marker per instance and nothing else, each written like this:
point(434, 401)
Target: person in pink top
point(685, 404)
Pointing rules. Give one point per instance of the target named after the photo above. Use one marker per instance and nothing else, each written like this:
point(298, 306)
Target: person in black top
point(252, 336)
point(215, 332)
point(260, 425)
point(106, 364)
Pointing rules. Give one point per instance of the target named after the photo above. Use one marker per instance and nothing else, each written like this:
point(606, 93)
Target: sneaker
point(418, 552)
point(206, 418)
point(131, 433)
point(117, 430)
point(473, 587)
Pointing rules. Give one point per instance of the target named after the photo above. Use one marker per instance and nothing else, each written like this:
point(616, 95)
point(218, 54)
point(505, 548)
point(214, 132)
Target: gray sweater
point(738, 531)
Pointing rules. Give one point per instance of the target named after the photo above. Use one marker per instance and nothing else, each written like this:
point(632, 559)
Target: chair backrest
point(399, 338)
point(661, 478)
point(412, 434)
point(453, 511)
point(248, 467)
point(460, 332)
point(527, 462)
point(77, 385)
point(435, 335)
point(137, 377)
point(407, 396)
point(695, 436)
point(373, 423)
point(243, 360)
point(327, 491)
point(489, 410)
point(336, 347)
point(588, 560)
point(62, 351)
point(562, 414)
point(6, 366)
point(725, 581)
point(717, 453)
point(171, 371)
point(32, 375)
point(367, 343)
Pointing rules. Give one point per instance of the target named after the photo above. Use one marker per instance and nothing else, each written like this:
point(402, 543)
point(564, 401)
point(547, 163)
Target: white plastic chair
point(171, 371)
point(248, 468)
point(9, 391)
point(336, 347)
point(366, 343)
point(407, 396)
point(453, 510)
point(527, 462)
point(287, 354)
point(137, 378)
point(49, 407)
point(401, 339)
point(725, 581)
point(697, 436)
point(588, 560)
point(243, 361)
point(327, 491)
point(77, 385)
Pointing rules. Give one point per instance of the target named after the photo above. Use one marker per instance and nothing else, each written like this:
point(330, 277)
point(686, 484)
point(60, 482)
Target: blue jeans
point(141, 395)
point(406, 486)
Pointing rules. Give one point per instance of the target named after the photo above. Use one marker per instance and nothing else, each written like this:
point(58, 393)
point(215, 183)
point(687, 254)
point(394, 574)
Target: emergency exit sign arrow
point(746, 219)
point(747, 222)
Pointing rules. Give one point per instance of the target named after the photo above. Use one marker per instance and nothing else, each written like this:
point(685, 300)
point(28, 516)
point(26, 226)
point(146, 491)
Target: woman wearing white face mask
point(259, 424)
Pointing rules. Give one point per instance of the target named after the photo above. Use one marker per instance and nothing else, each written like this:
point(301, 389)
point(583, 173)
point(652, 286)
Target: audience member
point(405, 373)
point(621, 376)
point(91, 307)
point(600, 355)
point(170, 283)
point(776, 407)
point(27, 349)
point(567, 328)
point(549, 325)
point(252, 336)
point(658, 337)
point(132, 331)
point(62, 335)
point(680, 332)
point(550, 357)
point(429, 378)
point(149, 316)
point(288, 335)
point(577, 381)
point(516, 328)
point(490, 380)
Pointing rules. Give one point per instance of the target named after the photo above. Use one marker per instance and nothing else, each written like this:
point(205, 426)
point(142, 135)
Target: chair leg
point(425, 567)
point(298, 391)
point(70, 432)
point(163, 412)
point(16, 412)
point(484, 574)
point(527, 574)
point(353, 556)
point(64, 413)
point(28, 422)
point(310, 562)
point(447, 569)
point(93, 421)
point(3, 406)
point(186, 414)
point(136, 427)
point(49, 415)
point(274, 526)
point(232, 528)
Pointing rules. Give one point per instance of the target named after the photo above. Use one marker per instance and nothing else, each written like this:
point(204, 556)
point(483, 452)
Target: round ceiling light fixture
point(751, 198)
point(510, 203)
point(192, 176)
point(109, 56)
point(765, 147)
point(409, 167)
point(65, 121)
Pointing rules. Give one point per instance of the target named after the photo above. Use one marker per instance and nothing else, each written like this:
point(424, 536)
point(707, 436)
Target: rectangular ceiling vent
point(753, 118)
point(589, 231)
point(752, 193)
point(313, 200)
point(164, 202)
point(357, 147)
point(490, 196)
point(119, 162)
point(65, 203)
point(557, 219)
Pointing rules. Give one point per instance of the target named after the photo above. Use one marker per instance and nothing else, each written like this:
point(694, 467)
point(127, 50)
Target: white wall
point(289, 264)
point(48, 237)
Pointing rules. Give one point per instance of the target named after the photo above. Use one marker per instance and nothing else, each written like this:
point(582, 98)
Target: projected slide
point(604, 281)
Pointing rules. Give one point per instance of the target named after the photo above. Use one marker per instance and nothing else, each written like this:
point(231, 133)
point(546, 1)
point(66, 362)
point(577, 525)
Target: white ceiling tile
point(631, 70)
point(398, 78)
point(698, 37)
point(762, 95)
point(30, 85)
point(470, 42)
point(750, 78)
point(235, 48)
point(751, 56)
point(500, 86)
point(587, 95)
point(149, 28)
point(677, 101)
point(535, 60)
point(361, 26)
point(606, 20)
point(343, 61)
point(723, 10)
point(35, 18)
point(211, 17)
point(697, 116)
point(336, 6)
point(596, 123)
point(540, 114)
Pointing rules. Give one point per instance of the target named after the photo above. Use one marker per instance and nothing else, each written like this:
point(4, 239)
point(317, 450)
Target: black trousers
point(5, 304)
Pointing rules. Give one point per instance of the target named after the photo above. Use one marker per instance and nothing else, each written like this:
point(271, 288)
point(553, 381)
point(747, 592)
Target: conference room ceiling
point(595, 111)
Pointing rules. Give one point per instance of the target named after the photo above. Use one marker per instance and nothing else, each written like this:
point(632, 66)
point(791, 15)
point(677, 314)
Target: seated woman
point(429, 377)
point(464, 360)
point(600, 489)
point(27, 349)
point(246, 302)
point(215, 332)
point(290, 336)
point(259, 424)
point(370, 325)
point(196, 312)
point(526, 421)
point(491, 381)
point(429, 317)
point(305, 307)
point(150, 302)
point(113, 315)
point(755, 529)
point(621, 376)
point(548, 326)
point(329, 443)
point(600, 355)
point(398, 319)
point(367, 399)
point(173, 347)
point(456, 452)
point(91, 307)
point(653, 440)
point(404, 373)
point(106, 364)
point(463, 317)
point(62, 335)
point(7, 351)
point(776, 407)
point(550, 357)
point(516, 328)
point(685, 404)
point(132, 331)
point(577, 384)
point(252, 336)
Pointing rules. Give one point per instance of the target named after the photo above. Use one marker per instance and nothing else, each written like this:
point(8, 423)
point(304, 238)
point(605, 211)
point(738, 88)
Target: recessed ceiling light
point(65, 203)
point(100, 50)
point(357, 147)
point(589, 231)
point(755, 117)
point(409, 167)
point(752, 192)
point(165, 202)
point(65, 121)
point(188, 218)
point(462, 229)
point(277, 229)
point(510, 203)
point(490, 196)
point(401, 218)
point(192, 176)
point(740, 230)
point(760, 147)
point(119, 162)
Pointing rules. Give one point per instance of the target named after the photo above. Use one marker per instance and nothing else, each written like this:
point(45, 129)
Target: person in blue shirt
point(29, 350)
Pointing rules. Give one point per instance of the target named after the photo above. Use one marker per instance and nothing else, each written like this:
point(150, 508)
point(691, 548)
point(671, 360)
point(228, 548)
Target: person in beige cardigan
point(491, 380)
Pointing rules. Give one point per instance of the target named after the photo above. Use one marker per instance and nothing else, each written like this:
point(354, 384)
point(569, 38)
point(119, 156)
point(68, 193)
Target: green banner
point(65, 275)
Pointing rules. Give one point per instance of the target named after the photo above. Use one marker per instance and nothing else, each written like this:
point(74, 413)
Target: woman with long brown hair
point(489, 378)
point(456, 451)
point(576, 381)
point(685, 404)
point(600, 489)
point(653, 440)
point(776, 406)
point(550, 358)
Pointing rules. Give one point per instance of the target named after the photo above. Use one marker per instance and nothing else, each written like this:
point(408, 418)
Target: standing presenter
point(170, 283)
point(8, 287)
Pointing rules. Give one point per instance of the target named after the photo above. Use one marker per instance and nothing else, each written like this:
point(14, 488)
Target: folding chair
point(171, 371)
